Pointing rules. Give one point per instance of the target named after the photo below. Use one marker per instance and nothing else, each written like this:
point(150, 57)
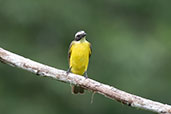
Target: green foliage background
point(131, 51)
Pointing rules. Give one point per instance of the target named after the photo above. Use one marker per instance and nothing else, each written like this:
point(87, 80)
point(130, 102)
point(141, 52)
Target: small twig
point(60, 75)
point(92, 97)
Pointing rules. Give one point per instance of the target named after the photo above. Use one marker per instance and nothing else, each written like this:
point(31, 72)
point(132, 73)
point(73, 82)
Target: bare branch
point(106, 90)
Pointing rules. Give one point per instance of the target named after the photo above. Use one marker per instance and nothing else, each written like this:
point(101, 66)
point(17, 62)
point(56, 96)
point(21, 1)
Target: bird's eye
point(78, 35)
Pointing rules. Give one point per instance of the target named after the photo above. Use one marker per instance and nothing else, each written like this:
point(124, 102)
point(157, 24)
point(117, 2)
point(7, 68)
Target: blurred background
point(131, 51)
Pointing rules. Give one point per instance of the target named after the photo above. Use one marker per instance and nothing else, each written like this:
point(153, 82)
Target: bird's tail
point(77, 89)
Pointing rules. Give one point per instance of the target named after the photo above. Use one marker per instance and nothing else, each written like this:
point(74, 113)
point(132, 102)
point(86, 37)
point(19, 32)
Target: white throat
point(83, 39)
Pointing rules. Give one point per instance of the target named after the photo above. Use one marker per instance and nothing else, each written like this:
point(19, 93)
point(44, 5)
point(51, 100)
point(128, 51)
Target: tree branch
point(60, 75)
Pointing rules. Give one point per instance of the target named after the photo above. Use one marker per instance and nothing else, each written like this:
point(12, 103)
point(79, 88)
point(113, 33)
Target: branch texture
point(60, 75)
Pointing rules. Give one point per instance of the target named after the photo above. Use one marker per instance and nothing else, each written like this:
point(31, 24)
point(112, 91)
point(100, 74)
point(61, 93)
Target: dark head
point(79, 35)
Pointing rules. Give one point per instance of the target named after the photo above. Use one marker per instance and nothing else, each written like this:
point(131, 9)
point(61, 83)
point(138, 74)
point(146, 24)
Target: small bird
point(78, 54)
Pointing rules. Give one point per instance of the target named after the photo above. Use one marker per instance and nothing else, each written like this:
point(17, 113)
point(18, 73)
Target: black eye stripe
point(78, 35)
point(77, 38)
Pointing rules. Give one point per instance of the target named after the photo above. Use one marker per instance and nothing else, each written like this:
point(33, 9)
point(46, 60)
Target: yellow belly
point(79, 58)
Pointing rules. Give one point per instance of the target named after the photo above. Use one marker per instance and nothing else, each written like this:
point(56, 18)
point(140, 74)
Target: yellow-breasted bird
point(78, 54)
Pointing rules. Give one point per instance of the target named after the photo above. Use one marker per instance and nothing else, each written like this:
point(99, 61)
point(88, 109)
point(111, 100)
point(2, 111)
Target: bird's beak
point(84, 35)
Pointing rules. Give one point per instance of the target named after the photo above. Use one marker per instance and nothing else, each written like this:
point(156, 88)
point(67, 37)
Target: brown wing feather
point(90, 50)
point(69, 52)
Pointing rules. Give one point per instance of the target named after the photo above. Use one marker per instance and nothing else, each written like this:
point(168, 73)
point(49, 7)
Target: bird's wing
point(90, 50)
point(70, 51)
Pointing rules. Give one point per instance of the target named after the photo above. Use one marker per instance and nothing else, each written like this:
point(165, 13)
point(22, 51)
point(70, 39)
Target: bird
point(78, 56)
